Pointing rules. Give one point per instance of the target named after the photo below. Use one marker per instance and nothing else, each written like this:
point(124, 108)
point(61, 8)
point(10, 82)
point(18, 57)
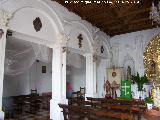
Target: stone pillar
point(4, 16)
point(58, 81)
point(90, 76)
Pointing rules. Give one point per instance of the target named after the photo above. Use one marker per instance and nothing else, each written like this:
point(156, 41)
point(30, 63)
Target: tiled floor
point(40, 115)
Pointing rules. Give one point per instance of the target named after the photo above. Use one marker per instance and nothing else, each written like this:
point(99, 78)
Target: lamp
point(155, 12)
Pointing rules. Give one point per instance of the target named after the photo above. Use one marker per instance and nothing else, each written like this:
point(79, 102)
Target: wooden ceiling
point(114, 19)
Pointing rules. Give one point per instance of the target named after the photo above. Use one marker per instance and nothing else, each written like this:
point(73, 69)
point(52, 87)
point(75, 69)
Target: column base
point(88, 95)
point(1, 115)
point(55, 111)
point(94, 95)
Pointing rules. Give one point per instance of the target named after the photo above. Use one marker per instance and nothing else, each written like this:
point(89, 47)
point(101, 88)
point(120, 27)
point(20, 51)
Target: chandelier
point(155, 13)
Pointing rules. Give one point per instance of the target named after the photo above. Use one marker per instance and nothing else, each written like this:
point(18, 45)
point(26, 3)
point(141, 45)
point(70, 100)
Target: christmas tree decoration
point(155, 95)
point(152, 59)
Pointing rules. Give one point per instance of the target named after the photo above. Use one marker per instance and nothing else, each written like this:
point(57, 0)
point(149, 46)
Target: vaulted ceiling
point(114, 19)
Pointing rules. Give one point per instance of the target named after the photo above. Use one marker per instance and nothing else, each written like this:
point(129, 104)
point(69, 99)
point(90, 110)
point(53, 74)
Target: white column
point(95, 92)
point(4, 16)
point(90, 76)
point(2, 58)
point(58, 83)
point(64, 100)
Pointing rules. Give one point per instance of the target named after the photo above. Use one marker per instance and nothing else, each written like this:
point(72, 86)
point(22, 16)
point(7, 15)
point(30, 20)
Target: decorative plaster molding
point(95, 48)
point(95, 33)
point(4, 17)
point(95, 58)
point(63, 39)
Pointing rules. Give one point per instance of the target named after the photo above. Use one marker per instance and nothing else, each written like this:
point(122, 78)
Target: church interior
point(79, 60)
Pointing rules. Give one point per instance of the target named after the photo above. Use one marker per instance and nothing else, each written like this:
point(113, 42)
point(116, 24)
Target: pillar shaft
point(58, 83)
point(90, 76)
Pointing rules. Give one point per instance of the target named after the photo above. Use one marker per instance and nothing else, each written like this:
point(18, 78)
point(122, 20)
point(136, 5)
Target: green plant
point(148, 100)
point(139, 80)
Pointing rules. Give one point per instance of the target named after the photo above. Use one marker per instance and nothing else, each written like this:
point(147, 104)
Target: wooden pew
point(92, 113)
point(116, 101)
point(134, 106)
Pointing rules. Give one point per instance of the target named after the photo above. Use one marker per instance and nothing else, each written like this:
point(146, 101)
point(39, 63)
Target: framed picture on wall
point(44, 69)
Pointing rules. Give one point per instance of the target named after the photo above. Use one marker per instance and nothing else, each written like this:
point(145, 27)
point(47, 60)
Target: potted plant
point(140, 81)
point(149, 102)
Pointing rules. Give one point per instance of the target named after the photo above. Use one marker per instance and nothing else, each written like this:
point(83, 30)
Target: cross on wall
point(125, 88)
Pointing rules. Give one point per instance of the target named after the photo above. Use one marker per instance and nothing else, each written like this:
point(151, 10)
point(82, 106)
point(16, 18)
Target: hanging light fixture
point(155, 12)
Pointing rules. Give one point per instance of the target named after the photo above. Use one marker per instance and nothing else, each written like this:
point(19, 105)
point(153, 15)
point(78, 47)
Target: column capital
point(95, 48)
point(4, 17)
point(92, 56)
point(95, 57)
point(63, 38)
point(88, 54)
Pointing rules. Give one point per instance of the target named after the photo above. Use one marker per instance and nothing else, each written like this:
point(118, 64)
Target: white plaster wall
point(44, 80)
point(132, 46)
point(33, 76)
point(101, 76)
point(102, 41)
point(22, 22)
point(77, 76)
point(30, 79)
point(74, 41)
point(128, 44)
point(16, 85)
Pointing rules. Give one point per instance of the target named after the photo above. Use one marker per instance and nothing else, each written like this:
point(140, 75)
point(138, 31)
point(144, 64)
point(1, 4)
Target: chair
point(82, 91)
point(34, 91)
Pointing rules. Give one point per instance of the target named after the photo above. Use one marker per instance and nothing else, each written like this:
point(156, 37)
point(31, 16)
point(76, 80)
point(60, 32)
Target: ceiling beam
point(118, 32)
point(112, 20)
point(129, 23)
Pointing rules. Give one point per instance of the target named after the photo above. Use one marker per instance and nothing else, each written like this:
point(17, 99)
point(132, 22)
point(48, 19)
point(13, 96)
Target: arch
point(38, 8)
point(128, 61)
point(99, 41)
point(73, 29)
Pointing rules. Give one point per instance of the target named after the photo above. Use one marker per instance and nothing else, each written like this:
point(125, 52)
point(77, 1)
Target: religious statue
point(153, 65)
point(129, 73)
point(107, 88)
point(153, 71)
point(114, 88)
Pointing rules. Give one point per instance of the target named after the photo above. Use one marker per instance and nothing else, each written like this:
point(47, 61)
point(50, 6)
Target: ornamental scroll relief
point(63, 39)
point(4, 17)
